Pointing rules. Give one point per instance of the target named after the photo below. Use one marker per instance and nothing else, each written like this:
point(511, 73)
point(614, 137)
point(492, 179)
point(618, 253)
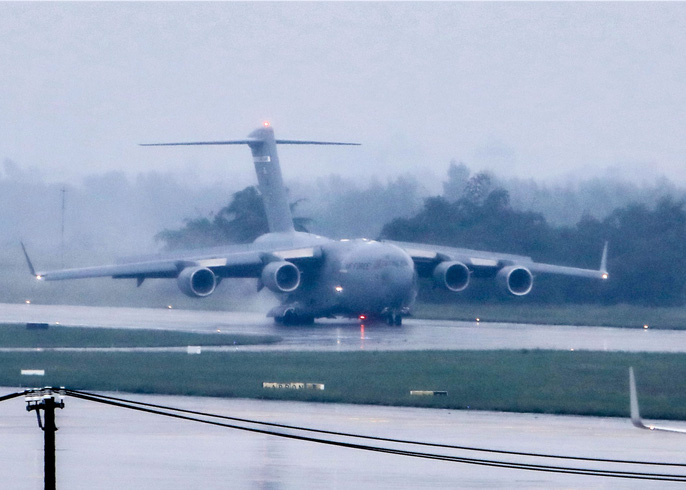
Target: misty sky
point(536, 90)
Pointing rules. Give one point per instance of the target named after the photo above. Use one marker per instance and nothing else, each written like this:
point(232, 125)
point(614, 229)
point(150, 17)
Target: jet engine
point(197, 282)
point(515, 280)
point(453, 276)
point(281, 277)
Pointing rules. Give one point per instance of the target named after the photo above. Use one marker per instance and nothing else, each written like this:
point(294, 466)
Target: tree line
point(647, 246)
point(647, 256)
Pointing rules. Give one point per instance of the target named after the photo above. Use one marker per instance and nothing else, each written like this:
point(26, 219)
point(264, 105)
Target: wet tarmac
point(107, 447)
point(414, 334)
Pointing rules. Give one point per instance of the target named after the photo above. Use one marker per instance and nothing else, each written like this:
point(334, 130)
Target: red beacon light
point(362, 317)
point(266, 124)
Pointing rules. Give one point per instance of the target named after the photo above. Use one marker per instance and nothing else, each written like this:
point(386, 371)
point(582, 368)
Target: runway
point(339, 335)
point(106, 447)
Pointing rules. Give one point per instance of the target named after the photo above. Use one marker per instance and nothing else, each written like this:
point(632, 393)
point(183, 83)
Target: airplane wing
point(515, 271)
point(247, 260)
point(636, 419)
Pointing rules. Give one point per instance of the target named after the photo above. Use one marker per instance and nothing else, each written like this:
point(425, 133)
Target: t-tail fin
point(268, 170)
point(262, 144)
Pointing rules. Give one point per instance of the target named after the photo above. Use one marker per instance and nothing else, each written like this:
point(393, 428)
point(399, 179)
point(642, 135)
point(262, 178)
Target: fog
point(111, 214)
point(527, 90)
point(574, 108)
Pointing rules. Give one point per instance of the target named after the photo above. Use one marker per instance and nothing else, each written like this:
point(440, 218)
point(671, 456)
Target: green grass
point(626, 316)
point(17, 335)
point(583, 383)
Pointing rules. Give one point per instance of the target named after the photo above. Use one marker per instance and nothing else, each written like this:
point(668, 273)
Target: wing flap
point(145, 269)
point(233, 264)
point(567, 271)
point(479, 260)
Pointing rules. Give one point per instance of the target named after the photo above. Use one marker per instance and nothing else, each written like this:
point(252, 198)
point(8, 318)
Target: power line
point(381, 439)
point(11, 395)
point(168, 412)
point(457, 459)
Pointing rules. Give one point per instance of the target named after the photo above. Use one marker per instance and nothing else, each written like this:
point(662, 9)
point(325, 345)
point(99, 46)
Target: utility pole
point(47, 399)
point(64, 198)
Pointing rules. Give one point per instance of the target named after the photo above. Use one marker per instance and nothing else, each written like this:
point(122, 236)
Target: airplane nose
point(380, 276)
point(397, 283)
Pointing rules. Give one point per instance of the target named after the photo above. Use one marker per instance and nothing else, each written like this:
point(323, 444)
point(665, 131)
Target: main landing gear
point(290, 318)
point(394, 318)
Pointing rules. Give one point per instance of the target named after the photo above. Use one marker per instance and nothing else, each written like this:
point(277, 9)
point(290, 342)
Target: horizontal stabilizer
point(234, 142)
point(263, 145)
point(250, 142)
point(296, 142)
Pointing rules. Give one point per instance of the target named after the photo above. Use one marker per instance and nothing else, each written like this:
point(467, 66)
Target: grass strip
point(17, 335)
point(554, 382)
point(622, 315)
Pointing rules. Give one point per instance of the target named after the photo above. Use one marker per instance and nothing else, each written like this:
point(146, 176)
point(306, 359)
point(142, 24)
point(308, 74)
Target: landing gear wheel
point(290, 318)
point(394, 319)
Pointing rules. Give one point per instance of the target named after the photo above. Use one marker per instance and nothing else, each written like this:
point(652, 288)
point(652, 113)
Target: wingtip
point(603, 262)
point(35, 274)
point(28, 260)
point(633, 402)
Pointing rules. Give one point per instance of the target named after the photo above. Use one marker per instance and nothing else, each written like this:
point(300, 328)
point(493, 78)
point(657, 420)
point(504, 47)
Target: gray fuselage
point(353, 278)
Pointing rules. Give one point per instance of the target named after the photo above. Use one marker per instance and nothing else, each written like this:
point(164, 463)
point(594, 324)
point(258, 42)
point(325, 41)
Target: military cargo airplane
point(318, 277)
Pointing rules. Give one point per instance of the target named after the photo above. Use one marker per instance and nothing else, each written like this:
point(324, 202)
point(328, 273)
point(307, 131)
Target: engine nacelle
point(515, 280)
point(197, 282)
point(281, 277)
point(454, 276)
